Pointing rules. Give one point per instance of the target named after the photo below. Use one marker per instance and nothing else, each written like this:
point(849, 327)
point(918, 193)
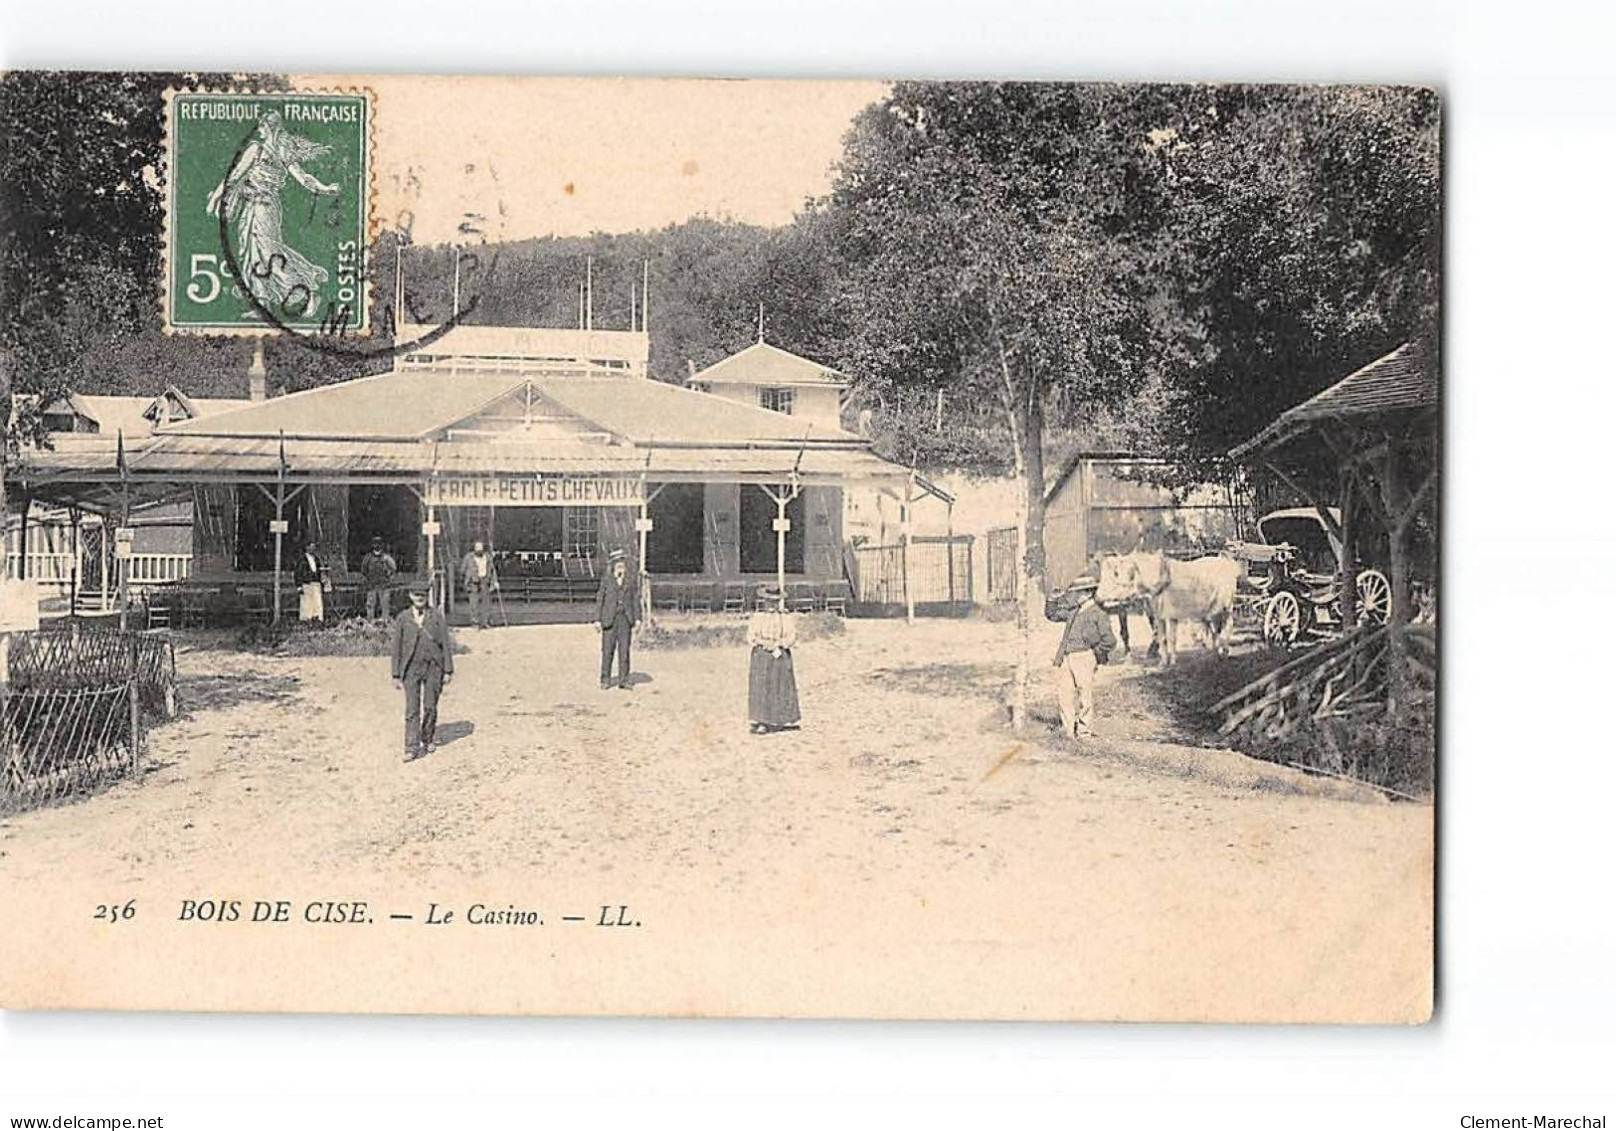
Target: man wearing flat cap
point(617, 610)
point(378, 569)
point(1086, 643)
point(423, 661)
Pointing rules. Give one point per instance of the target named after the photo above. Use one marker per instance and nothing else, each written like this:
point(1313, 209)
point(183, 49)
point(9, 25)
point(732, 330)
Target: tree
point(80, 227)
point(1306, 223)
point(995, 254)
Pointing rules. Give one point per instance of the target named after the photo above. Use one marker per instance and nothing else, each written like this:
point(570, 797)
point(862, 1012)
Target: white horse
point(1201, 591)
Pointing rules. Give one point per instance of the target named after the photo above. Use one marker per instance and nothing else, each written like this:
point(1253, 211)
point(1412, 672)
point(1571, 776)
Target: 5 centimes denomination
point(268, 212)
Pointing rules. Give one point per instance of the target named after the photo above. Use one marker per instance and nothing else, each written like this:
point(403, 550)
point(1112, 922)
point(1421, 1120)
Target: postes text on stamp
point(268, 212)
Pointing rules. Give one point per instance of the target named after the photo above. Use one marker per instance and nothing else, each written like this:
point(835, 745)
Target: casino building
point(553, 446)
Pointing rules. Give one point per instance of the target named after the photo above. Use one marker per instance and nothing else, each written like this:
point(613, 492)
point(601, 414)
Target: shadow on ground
point(453, 732)
point(948, 680)
point(1183, 694)
point(221, 692)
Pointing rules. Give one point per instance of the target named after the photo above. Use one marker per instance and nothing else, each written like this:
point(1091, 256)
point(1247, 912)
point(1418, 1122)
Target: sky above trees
point(520, 158)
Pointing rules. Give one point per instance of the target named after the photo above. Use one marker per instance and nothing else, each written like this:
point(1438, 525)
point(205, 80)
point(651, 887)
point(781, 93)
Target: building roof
point(134, 416)
point(226, 457)
point(655, 412)
point(420, 404)
point(401, 405)
point(1402, 381)
point(528, 343)
point(763, 364)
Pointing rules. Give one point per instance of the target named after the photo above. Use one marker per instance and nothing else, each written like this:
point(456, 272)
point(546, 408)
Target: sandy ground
point(903, 854)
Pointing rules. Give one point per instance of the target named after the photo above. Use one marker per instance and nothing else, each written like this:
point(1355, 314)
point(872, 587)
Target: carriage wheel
point(1374, 598)
point(1282, 622)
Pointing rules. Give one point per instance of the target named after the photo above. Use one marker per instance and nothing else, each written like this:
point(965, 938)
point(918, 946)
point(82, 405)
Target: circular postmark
point(285, 292)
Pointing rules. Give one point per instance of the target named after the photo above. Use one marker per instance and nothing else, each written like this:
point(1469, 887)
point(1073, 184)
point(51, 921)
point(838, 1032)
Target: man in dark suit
point(617, 610)
point(423, 661)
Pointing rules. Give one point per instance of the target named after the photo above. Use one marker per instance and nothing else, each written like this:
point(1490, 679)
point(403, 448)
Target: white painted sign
point(782, 525)
point(125, 534)
point(279, 526)
point(19, 606)
point(534, 491)
point(432, 529)
point(643, 525)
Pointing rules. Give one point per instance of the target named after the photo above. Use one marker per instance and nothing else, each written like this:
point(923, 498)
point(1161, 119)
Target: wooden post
point(780, 543)
point(78, 553)
point(1347, 582)
point(22, 535)
point(950, 547)
point(134, 700)
point(280, 514)
point(106, 568)
point(908, 542)
point(123, 568)
point(432, 555)
point(644, 531)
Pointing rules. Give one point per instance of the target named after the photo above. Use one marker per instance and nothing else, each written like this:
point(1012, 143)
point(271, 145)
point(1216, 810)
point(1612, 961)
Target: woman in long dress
point(772, 688)
point(278, 274)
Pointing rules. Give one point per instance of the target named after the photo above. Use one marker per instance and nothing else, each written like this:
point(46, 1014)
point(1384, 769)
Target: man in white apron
point(309, 575)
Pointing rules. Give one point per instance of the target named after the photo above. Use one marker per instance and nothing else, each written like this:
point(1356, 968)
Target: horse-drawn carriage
point(1291, 582)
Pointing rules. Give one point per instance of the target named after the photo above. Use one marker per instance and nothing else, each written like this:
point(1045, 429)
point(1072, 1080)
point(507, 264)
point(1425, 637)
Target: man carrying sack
point(423, 661)
point(617, 610)
point(1086, 643)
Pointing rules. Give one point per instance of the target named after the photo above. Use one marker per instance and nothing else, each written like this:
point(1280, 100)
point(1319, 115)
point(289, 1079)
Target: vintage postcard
point(768, 548)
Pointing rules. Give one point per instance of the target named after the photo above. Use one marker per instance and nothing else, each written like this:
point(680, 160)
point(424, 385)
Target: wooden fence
point(73, 713)
point(937, 572)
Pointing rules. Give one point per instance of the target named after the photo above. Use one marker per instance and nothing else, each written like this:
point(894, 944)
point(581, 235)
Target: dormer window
point(777, 399)
point(65, 422)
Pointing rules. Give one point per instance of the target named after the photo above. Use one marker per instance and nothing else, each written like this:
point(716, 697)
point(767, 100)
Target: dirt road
point(903, 854)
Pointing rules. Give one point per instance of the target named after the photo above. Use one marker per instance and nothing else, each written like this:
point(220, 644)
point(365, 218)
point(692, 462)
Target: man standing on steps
point(617, 609)
point(480, 580)
point(423, 661)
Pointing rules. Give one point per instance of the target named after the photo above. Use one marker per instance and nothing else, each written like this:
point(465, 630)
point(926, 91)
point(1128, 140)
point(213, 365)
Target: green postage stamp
point(268, 212)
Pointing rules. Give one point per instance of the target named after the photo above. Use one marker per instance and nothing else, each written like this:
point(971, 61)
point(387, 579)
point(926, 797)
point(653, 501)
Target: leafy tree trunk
point(1024, 409)
point(5, 466)
point(1396, 641)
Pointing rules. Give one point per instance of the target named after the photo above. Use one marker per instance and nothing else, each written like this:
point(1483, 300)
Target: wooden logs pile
point(1340, 679)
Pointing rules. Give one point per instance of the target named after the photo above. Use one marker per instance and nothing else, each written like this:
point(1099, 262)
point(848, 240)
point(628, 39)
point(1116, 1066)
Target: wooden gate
point(1003, 544)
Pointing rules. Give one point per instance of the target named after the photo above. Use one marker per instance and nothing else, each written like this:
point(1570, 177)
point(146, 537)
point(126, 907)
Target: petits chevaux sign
point(544, 491)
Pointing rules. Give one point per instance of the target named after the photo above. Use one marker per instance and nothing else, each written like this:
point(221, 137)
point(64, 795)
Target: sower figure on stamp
point(481, 581)
point(309, 573)
point(617, 610)
point(1086, 643)
point(378, 569)
point(423, 661)
point(250, 196)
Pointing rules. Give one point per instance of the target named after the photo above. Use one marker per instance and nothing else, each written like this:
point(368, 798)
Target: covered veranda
point(708, 498)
